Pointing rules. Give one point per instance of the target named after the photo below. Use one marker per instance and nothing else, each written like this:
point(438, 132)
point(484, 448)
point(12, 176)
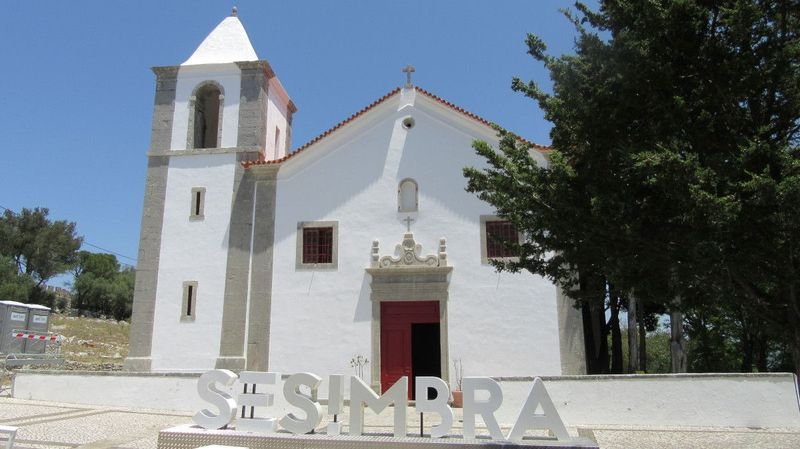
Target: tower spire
point(227, 43)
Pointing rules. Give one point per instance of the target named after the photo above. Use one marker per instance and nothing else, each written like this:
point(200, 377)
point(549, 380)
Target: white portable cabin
point(39, 322)
point(13, 315)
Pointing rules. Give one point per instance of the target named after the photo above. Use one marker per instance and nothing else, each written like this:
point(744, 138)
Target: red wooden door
point(396, 320)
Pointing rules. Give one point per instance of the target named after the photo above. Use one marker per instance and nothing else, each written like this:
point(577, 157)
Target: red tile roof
point(441, 100)
point(263, 161)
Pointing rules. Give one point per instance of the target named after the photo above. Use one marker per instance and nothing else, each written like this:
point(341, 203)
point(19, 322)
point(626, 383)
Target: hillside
point(92, 343)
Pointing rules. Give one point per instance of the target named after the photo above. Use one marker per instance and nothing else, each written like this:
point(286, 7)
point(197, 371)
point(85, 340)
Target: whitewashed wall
point(276, 118)
point(730, 400)
point(192, 251)
point(189, 77)
point(499, 325)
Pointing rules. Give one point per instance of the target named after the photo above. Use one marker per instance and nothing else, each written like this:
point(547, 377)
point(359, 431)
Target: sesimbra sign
point(482, 396)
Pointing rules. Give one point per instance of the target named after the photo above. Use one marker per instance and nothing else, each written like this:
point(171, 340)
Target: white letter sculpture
point(437, 405)
point(472, 406)
point(208, 391)
point(361, 394)
point(335, 401)
point(262, 425)
point(311, 408)
point(529, 419)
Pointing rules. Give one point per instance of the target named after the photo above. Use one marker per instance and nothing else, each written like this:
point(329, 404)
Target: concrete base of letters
point(190, 437)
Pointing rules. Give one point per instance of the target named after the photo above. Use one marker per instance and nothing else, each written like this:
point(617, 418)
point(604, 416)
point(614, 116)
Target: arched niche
point(408, 196)
point(205, 115)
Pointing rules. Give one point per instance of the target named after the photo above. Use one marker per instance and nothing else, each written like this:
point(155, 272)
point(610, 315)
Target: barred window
point(317, 245)
point(498, 234)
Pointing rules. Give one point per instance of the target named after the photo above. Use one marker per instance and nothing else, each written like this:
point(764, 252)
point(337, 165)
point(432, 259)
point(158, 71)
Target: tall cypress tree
point(675, 169)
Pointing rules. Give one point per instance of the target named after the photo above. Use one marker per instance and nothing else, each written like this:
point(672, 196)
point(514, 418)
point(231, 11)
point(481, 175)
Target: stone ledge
point(644, 376)
point(204, 151)
point(52, 372)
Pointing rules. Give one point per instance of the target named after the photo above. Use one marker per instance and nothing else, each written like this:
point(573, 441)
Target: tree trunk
point(762, 348)
point(677, 345)
point(589, 341)
point(794, 325)
point(616, 334)
point(633, 340)
point(747, 347)
point(796, 350)
point(596, 335)
point(642, 343)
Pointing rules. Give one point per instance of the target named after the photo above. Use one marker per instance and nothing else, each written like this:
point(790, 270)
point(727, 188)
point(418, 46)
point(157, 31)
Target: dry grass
point(92, 343)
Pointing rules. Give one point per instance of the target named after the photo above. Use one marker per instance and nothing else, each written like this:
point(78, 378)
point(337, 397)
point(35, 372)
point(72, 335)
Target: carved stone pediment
point(410, 255)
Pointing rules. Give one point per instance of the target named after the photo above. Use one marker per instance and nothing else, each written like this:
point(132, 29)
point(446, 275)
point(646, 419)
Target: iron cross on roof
point(408, 222)
point(409, 69)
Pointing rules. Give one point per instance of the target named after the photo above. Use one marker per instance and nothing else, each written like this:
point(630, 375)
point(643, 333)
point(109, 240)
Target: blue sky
point(77, 94)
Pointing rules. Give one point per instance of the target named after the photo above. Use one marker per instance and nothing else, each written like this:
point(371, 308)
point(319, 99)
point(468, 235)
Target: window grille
point(497, 234)
point(317, 245)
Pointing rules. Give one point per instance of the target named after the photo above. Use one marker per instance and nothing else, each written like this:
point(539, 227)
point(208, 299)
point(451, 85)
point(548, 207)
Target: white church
point(255, 255)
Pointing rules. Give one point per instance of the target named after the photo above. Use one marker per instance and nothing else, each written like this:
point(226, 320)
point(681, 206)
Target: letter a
point(529, 419)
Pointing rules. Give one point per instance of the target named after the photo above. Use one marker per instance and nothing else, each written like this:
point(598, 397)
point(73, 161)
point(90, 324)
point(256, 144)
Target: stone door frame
point(408, 283)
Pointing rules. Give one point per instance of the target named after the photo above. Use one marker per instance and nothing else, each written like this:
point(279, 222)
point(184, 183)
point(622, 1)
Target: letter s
point(208, 391)
point(312, 409)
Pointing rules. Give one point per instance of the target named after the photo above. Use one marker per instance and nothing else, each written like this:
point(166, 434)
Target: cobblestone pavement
point(61, 426)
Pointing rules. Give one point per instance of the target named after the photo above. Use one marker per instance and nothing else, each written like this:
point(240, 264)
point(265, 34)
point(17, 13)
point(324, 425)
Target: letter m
point(361, 394)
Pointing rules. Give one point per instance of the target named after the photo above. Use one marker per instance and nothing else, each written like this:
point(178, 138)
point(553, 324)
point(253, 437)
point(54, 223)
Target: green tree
point(13, 286)
point(675, 170)
point(122, 305)
point(101, 287)
point(38, 248)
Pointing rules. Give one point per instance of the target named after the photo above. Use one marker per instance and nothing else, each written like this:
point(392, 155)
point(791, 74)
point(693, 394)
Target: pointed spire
point(228, 42)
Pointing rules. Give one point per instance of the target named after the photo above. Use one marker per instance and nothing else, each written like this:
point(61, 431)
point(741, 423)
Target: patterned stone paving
point(59, 426)
point(62, 426)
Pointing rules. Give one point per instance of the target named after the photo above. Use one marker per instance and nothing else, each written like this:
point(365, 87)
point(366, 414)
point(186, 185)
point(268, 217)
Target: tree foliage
point(14, 286)
point(101, 287)
point(675, 174)
point(33, 249)
point(39, 247)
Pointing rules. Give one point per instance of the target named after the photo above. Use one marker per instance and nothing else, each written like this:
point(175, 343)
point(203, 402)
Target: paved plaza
point(59, 426)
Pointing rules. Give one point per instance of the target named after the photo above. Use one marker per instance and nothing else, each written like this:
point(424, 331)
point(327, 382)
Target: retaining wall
point(715, 400)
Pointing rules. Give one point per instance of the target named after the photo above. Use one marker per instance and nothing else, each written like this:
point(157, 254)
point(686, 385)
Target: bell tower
point(219, 108)
point(226, 97)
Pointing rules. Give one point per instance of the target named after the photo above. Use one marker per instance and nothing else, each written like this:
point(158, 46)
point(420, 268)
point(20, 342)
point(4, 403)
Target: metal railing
point(50, 355)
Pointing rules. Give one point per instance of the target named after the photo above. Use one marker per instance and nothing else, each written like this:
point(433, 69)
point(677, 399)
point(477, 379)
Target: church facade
point(360, 247)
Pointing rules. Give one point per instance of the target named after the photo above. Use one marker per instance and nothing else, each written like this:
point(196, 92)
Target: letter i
point(335, 402)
